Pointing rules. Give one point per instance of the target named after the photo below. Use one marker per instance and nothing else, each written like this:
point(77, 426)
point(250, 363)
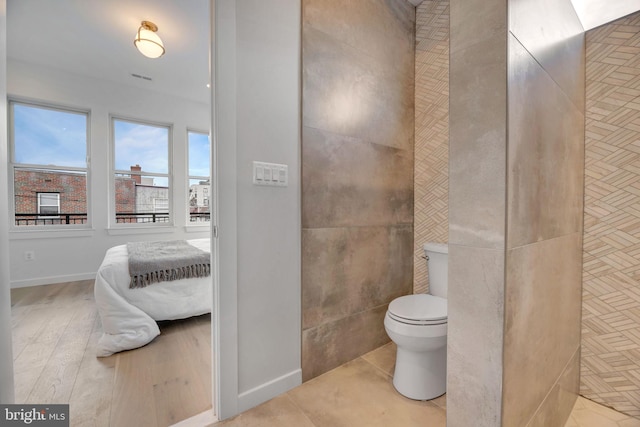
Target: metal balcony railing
point(50, 219)
point(22, 219)
point(199, 217)
point(142, 218)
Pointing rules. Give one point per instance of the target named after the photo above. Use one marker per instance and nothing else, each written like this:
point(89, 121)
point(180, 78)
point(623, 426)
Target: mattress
point(129, 315)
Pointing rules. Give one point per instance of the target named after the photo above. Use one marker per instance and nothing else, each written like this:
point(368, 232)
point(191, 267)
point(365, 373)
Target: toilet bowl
point(417, 324)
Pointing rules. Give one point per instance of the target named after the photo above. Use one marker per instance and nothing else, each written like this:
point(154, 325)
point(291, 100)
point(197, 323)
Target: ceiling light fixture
point(147, 41)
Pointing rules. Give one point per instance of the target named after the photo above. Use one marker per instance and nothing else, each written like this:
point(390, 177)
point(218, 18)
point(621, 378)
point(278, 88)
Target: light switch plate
point(270, 174)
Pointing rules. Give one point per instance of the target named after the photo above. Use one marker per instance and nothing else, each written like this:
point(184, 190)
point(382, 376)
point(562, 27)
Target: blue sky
point(139, 144)
point(199, 158)
point(51, 137)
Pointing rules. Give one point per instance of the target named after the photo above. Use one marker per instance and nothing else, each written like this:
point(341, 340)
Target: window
point(48, 165)
point(49, 205)
point(141, 172)
point(161, 205)
point(199, 177)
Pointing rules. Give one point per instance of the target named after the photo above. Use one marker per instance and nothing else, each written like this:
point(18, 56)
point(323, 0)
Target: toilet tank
point(437, 255)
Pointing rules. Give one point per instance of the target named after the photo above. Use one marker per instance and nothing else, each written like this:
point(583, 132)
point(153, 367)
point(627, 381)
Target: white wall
point(6, 357)
point(68, 255)
point(258, 118)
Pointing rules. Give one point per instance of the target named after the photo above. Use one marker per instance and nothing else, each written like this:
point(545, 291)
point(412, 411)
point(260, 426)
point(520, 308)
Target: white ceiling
point(95, 37)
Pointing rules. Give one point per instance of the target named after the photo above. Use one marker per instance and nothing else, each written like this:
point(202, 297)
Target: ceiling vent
point(138, 76)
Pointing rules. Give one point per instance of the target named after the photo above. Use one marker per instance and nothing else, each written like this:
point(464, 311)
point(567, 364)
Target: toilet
point(418, 325)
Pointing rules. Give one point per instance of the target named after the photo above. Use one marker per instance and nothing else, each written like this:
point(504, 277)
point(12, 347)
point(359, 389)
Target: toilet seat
point(419, 309)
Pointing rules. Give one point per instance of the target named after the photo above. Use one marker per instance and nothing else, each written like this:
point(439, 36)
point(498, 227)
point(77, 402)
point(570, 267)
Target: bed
point(129, 315)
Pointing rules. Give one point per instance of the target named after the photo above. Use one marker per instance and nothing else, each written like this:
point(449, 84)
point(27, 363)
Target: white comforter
point(129, 315)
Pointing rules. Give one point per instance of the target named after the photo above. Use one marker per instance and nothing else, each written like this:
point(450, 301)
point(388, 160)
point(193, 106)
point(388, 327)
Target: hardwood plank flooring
point(59, 374)
point(177, 387)
point(55, 332)
point(90, 405)
point(132, 402)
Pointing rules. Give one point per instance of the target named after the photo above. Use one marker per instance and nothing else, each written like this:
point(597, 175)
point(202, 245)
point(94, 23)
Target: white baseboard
point(269, 390)
point(51, 279)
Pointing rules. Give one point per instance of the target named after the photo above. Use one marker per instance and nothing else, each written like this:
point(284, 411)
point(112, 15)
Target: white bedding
point(129, 315)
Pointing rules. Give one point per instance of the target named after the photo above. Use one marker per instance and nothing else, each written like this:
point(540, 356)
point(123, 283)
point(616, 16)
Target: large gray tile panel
point(551, 31)
point(348, 92)
point(476, 22)
point(349, 270)
point(382, 29)
point(475, 336)
point(546, 154)
point(348, 182)
point(542, 321)
point(557, 407)
point(331, 344)
point(477, 146)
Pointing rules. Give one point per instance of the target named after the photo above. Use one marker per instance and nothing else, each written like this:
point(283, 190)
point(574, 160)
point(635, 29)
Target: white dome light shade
point(147, 41)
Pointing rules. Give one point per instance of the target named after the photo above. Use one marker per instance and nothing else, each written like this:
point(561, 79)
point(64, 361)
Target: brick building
point(199, 196)
point(39, 192)
point(126, 194)
point(44, 197)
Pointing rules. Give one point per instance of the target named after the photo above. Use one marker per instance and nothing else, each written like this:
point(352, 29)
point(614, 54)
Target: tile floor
point(590, 414)
point(360, 394)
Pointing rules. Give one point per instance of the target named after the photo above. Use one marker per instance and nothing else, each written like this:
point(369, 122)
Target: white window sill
point(122, 231)
point(50, 233)
point(197, 228)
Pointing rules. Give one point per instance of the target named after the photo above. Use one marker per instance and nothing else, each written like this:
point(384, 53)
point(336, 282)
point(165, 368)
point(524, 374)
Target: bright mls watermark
point(34, 415)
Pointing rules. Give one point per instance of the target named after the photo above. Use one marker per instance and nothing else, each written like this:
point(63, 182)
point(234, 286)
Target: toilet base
point(421, 375)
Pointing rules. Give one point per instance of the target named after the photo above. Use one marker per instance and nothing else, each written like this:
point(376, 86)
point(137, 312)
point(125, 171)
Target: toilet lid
point(419, 308)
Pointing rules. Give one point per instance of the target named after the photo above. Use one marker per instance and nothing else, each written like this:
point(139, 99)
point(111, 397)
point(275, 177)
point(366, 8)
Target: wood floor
point(55, 331)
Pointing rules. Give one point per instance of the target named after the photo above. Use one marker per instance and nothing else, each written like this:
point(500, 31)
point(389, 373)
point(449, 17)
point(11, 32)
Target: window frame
point(197, 177)
point(39, 204)
point(113, 224)
point(13, 165)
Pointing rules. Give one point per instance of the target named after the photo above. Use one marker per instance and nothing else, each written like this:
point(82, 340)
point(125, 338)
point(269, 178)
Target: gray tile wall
point(515, 212)
point(545, 195)
point(477, 204)
point(357, 174)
